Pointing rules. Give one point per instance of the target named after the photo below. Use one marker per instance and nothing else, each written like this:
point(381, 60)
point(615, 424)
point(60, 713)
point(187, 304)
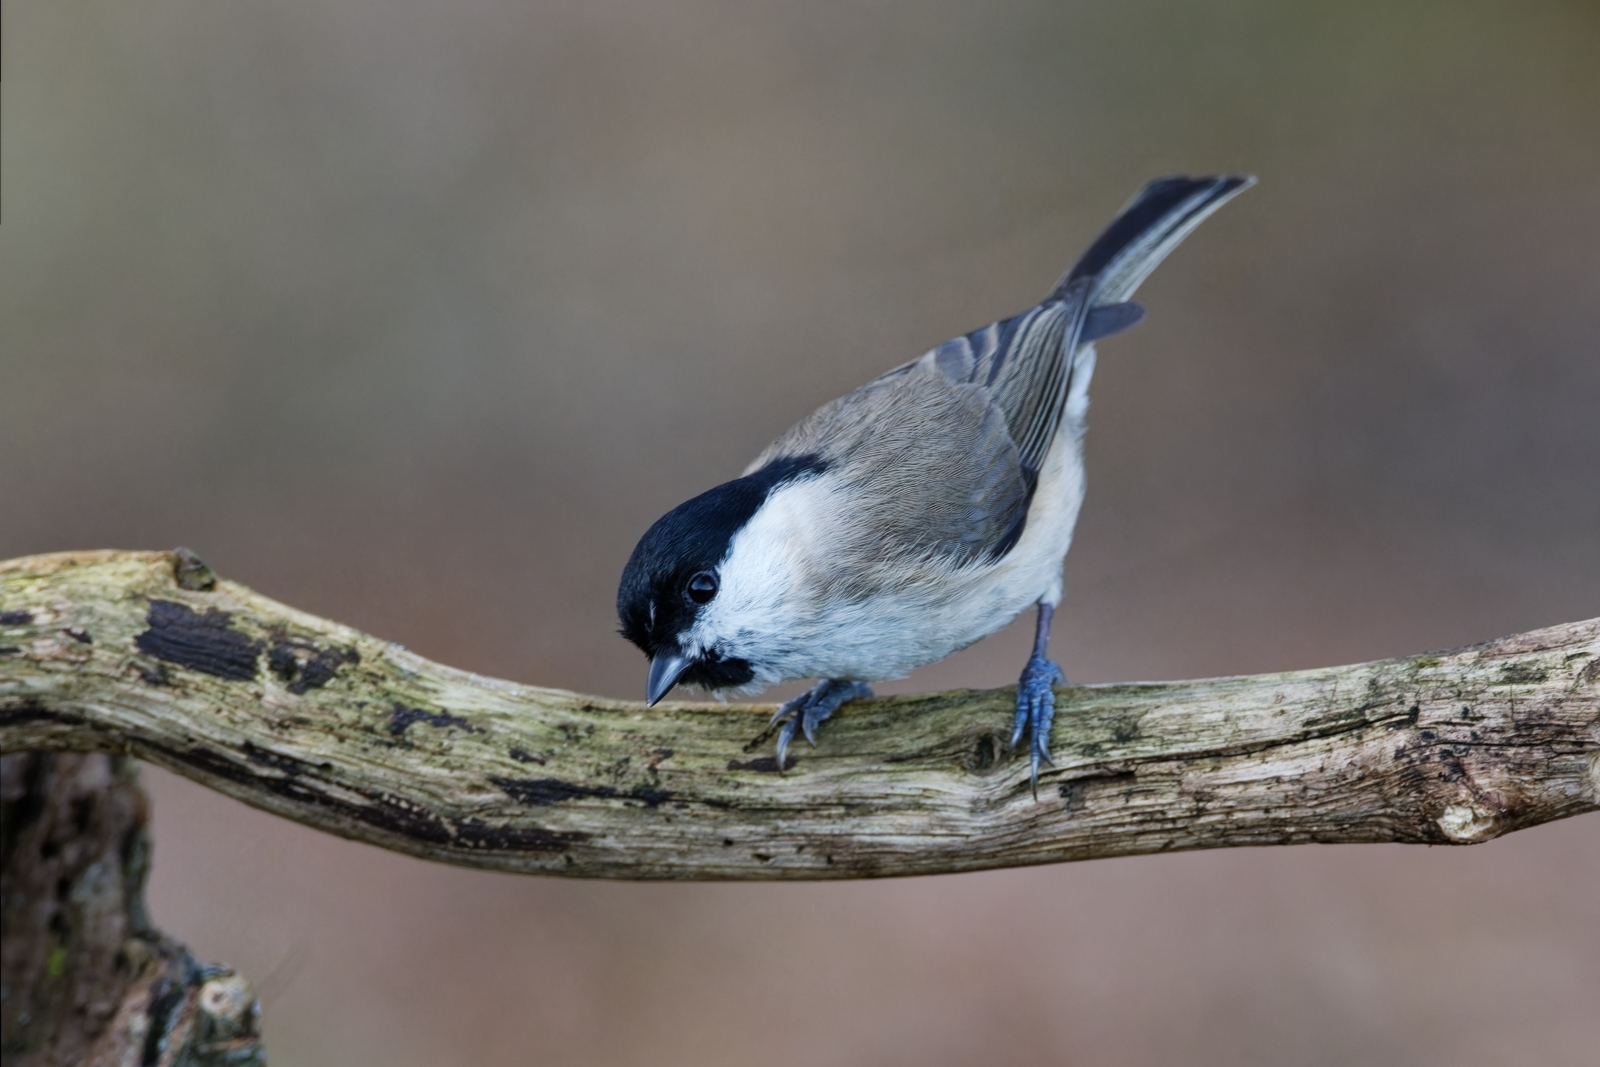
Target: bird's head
point(682, 604)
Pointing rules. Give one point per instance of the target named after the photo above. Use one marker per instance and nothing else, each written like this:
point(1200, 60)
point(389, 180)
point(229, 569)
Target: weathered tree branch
point(147, 654)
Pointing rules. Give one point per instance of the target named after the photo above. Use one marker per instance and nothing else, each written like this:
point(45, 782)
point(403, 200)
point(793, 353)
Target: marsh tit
point(912, 517)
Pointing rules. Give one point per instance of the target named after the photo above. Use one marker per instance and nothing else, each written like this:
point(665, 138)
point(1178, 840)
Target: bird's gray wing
point(947, 449)
point(927, 468)
point(1025, 364)
point(944, 452)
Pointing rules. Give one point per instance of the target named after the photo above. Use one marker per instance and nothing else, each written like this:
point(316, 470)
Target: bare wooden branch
point(148, 654)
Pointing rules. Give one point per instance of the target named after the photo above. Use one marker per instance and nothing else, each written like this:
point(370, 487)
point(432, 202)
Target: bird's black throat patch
point(713, 672)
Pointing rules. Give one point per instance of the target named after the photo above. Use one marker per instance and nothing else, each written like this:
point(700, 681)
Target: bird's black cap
point(653, 601)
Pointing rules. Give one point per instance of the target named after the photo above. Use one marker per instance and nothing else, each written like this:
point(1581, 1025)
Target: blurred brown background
point(416, 314)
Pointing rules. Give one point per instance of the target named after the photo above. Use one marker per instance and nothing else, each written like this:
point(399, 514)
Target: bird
point(912, 517)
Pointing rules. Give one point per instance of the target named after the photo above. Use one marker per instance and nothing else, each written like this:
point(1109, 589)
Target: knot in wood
point(1467, 824)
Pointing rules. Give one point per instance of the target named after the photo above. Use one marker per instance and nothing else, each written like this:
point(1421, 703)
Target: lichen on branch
point(148, 653)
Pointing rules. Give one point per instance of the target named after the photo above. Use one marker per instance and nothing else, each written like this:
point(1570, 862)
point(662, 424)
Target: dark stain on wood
point(1522, 674)
point(1076, 792)
point(321, 668)
point(1125, 729)
point(28, 709)
point(763, 765)
point(261, 757)
point(522, 755)
point(305, 666)
point(1347, 719)
point(15, 618)
point(555, 791)
point(481, 836)
point(381, 810)
point(201, 642)
point(402, 717)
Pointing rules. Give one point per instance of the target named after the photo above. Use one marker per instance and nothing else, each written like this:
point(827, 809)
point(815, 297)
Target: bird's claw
point(1036, 709)
point(808, 710)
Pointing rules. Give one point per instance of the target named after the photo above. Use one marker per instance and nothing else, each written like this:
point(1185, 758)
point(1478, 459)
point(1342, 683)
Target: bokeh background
point(416, 314)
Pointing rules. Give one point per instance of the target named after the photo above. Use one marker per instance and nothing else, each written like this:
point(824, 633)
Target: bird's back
point(936, 470)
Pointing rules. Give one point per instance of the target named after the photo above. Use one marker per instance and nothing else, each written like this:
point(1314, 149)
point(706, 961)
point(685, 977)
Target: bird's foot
point(806, 711)
point(1036, 708)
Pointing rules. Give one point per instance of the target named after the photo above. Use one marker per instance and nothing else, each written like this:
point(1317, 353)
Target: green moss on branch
point(129, 652)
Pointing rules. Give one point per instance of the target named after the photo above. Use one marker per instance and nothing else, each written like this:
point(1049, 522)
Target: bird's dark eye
point(702, 587)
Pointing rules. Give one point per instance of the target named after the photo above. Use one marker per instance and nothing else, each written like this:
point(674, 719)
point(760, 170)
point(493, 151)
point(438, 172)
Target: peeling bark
point(150, 655)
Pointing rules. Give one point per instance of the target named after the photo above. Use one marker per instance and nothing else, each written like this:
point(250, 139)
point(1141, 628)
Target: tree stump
point(85, 979)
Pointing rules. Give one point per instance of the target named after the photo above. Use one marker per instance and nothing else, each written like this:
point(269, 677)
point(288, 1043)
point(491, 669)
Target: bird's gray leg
point(1036, 697)
point(808, 710)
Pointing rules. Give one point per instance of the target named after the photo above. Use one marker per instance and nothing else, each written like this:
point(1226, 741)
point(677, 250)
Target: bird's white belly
point(894, 633)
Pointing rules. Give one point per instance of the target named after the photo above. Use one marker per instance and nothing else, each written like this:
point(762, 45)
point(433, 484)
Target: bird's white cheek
point(757, 607)
point(750, 609)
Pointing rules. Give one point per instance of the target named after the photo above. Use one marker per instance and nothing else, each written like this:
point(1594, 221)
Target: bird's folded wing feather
point(948, 447)
point(945, 450)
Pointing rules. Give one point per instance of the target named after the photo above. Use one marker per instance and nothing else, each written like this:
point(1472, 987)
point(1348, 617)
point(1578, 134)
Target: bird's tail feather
point(1154, 223)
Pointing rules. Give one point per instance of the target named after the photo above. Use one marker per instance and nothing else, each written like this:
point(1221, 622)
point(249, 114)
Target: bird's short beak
point(666, 667)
